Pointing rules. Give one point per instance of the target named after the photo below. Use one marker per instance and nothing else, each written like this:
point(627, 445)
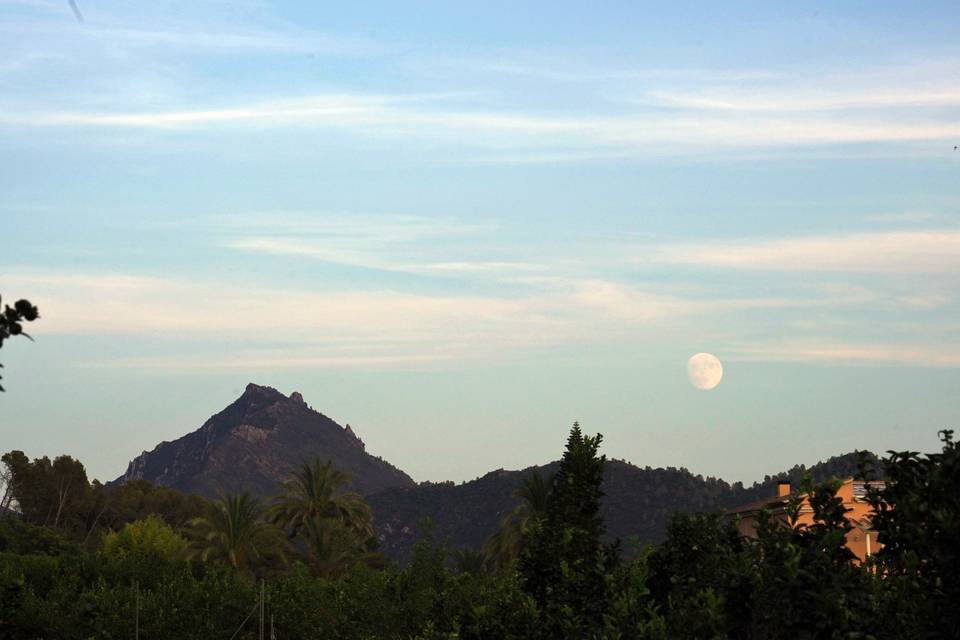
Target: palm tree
point(505, 545)
point(473, 561)
point(335, 526)
point(235, 532)
point(315, 491)
point(332, 547)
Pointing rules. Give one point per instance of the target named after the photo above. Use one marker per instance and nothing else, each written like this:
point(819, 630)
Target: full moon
point(704, 371)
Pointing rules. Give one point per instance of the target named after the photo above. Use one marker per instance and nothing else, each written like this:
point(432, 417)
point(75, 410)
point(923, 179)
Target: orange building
point(861, 540)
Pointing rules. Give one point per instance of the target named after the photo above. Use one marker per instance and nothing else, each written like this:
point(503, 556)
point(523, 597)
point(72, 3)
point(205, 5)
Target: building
point(861, 540)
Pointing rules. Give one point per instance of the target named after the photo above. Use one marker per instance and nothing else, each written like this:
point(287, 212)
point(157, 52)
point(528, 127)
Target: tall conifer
point(564, 565)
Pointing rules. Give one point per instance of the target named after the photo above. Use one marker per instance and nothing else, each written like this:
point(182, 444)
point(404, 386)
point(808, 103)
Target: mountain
point(264, 435)
point(639, 502)
point(256, 442)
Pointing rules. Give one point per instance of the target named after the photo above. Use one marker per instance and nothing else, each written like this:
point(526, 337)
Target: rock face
point(255, 443)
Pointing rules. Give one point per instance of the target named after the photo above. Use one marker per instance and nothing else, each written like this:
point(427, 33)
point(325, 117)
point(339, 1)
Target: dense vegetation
point(638, 502)
point(86, 561)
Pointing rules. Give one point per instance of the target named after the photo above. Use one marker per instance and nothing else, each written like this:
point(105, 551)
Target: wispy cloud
point(299, 358)
point(931, 251)
point(392, 116)
point(618, 111)
point(805, 101)
point(110, 304)
point(563, 68)
point(379, 327)
point(829, 350)
point(344, 224)
point(36, 4)
point(918, 83)
point(398, 243)
point(906, 217)
point(478, 266)
point(118, 304)
point(180, 39)
point(371, 255)
point(19, 63)
point(332, 110)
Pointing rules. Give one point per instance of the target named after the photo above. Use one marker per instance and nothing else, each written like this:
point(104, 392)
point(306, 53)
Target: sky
point(459, 227)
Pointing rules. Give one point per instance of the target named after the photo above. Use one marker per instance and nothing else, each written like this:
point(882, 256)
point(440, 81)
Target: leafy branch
point(12, 319)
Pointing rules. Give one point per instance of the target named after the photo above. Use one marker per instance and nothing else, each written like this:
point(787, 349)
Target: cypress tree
point(564, 564)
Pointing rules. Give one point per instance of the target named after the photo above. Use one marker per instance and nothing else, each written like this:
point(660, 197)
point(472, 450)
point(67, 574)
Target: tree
point(316, 491)
point(917, 517)
point(19, 537)
point(12, 319)
point(331, 547)
point(472, 561)
point(52, 493)
point(137, 499)
point(148, 537)
point(234, 532)
point(564, 565)
point(504, 546)
point(806, 581)
point(334, 526)
point(699, 576)
point(7, 500)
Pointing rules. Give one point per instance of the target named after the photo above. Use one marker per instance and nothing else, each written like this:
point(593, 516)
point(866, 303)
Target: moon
point(704, 371)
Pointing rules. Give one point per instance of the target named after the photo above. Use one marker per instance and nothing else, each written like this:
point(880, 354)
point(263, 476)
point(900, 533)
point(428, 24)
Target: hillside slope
point(639, 502)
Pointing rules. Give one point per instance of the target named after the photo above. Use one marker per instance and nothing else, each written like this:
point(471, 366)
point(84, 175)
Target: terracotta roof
point(772, 503)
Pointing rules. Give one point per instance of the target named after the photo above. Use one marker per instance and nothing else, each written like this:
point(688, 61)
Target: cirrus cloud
point(908, 252)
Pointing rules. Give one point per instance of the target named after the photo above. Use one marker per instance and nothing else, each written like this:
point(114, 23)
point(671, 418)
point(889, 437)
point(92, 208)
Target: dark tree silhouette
point(503, 547)
point(918, 521)
point(564, 564)
point(12, 318)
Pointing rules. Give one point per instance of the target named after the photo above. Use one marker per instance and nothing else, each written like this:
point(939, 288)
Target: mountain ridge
point(638, 503)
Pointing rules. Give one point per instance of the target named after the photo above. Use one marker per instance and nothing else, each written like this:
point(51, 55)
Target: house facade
point(861, 539)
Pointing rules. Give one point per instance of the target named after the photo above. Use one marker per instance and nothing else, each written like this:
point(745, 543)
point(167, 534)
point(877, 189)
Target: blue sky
point(459, 227)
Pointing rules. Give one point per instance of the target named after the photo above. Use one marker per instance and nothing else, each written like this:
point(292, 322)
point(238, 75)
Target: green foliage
point(634, 613)
point(94, 596)
point(12, 319)
point(470, 561)
point(137, 499)
point(50, 493)
point(56, 494)
point(700, 576)
point(504, 546)
point(150, 536)
point(19, 537)
point(334, 527)
point(564, 564)
point(807, 583)
point(637, 502)
point(704, 581)
point(918, 521)
point(234, 532)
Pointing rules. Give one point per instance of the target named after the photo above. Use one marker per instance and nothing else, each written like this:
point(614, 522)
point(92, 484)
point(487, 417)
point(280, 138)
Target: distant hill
point(256, 442)
point(639, 502)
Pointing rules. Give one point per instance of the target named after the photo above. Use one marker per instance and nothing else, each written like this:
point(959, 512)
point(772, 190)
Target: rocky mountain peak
point(255, 397)
point(256, 442)
point(254, 390)
point(359, 442)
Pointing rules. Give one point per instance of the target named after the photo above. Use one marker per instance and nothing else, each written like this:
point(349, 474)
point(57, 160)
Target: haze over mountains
point(261, 437)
